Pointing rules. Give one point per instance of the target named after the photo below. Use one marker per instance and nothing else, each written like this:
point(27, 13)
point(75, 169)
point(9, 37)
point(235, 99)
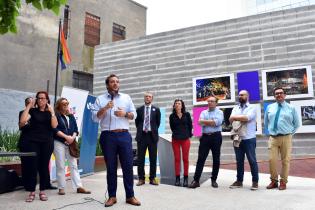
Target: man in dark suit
point(147, 123)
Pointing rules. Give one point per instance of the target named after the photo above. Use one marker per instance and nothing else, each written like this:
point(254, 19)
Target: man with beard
point(246, 114)
point(113, 111)
point(147, 123)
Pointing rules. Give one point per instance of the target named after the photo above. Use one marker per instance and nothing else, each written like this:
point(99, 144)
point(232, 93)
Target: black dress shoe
point(154, 182)
point(194, 184)
point(214, 184)
point(185, 183)
point(177, 181)
point(51, 187)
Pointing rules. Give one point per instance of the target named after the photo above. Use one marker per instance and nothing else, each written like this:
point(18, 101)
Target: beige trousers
point(282, 145)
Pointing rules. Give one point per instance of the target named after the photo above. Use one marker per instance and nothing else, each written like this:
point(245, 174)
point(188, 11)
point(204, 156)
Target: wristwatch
point(126, 115)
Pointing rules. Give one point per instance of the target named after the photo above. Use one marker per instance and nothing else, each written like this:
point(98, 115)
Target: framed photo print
point(306, 112)
point(221, 86)
point(296, 81)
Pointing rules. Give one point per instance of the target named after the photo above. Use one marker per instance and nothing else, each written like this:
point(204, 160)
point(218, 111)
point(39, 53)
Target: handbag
point(74, 146)
point(74, 149)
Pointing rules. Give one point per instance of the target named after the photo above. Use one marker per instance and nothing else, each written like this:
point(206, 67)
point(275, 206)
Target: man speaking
point(113, 112)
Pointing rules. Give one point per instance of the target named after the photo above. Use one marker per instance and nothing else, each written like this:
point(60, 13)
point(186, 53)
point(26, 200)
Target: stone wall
point(165, 63)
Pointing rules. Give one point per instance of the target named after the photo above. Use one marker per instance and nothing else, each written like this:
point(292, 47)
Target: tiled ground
point(304, 167)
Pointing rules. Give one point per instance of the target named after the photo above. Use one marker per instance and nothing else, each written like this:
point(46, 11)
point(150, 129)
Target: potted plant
point(8, 143)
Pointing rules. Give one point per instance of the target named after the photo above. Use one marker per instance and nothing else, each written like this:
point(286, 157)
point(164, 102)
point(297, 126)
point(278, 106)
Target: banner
point(77, 100)
point(89, 138)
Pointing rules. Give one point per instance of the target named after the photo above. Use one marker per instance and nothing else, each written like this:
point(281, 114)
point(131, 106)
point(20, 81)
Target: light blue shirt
point(288, 121)
point(110, 121)
point(216, 115)
point(250, 112)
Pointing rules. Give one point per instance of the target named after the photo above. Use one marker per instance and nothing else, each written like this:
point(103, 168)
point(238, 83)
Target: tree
point(9, 11)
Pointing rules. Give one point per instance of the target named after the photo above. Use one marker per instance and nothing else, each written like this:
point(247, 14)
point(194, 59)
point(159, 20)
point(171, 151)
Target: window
point(119, 32)
point(92, 30)
point(66, 21)
point(82, 80)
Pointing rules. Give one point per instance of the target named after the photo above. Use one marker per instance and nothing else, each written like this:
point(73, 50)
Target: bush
point(8, 143)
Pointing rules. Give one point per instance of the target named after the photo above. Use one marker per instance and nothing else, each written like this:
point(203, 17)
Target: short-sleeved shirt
point(250, 111)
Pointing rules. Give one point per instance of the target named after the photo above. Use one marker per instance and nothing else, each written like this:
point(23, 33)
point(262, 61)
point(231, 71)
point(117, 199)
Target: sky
point(166, 15)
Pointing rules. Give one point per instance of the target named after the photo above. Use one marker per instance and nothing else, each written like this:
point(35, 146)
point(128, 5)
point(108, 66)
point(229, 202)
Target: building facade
point(28, 58)
point(166, 63)
point(261, 6)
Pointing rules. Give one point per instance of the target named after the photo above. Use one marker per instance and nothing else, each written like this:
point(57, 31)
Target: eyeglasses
point(279, 93)
point(65, 104)
point(41, 98)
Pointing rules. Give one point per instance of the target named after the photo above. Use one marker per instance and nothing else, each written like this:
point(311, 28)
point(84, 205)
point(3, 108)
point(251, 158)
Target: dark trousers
point(209, 142)
point(38, 163)
point(113, 145)
point(147, 142)
point(247, 147)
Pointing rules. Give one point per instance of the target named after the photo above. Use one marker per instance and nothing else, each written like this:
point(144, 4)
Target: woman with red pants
point(181, 126)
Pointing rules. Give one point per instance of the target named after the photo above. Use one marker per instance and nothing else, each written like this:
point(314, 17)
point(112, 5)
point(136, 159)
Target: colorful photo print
point(296, 81)
point(222, 87)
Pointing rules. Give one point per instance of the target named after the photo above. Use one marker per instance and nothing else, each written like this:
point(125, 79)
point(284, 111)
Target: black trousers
point(147, 142)
point(38, 163)
point(209, 142)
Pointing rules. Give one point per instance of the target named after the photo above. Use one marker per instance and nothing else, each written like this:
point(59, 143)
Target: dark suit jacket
point(155, 119)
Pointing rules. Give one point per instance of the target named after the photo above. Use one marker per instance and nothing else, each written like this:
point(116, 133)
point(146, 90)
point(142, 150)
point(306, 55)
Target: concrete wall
point(28, 59)
point(165, 63)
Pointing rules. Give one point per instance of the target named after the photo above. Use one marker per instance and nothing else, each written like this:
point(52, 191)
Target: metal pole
point(57, 64)
point(47, 89)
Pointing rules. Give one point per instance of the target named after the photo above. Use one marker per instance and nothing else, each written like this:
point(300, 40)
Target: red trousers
point(185, 145)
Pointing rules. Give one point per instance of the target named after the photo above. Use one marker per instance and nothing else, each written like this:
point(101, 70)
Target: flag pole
point(57, 64)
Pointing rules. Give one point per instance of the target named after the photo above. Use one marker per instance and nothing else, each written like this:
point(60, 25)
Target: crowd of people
point(46, 130)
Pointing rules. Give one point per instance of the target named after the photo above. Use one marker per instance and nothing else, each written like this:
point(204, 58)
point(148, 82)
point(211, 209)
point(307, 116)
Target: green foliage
point(9, 11)
point(8, 143)
point(98, 149)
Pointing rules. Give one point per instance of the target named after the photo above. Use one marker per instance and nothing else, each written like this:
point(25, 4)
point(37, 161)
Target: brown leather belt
point(119, 130)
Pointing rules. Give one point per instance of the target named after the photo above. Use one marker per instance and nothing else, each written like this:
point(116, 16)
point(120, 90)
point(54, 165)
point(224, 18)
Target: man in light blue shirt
point(113, 110)
point(245, 113)
point(282, 121)
point(211, 139)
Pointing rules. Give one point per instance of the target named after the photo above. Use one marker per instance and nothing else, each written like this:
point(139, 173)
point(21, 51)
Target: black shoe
point(194, 184)
point(51, 187)
point(185, 183)
point(214, 184)
point(177, 181)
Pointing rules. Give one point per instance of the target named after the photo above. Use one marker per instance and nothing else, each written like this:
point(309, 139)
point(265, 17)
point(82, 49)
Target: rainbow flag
point(64, 55)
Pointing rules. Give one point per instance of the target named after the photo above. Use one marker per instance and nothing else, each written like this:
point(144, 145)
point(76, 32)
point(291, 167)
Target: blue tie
point(275, 125)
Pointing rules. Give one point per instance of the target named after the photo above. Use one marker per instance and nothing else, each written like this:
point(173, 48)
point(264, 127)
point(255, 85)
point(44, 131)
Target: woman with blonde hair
point(65, 133)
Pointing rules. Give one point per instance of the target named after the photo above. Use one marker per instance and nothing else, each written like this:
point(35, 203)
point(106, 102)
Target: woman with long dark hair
point(42, 120)
point(181, 126)
point(65, 133)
